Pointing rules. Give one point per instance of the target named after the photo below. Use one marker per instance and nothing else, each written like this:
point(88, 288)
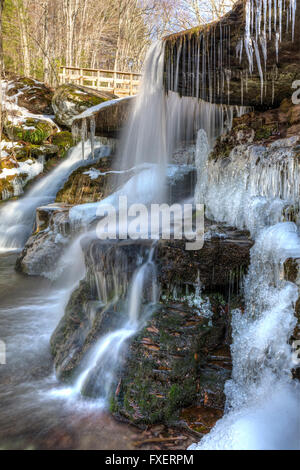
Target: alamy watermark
point(2, 353)
point(153, 222)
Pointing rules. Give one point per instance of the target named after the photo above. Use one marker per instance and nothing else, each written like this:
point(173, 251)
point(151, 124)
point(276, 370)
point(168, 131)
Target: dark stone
point(69, 100)
point(111, 119)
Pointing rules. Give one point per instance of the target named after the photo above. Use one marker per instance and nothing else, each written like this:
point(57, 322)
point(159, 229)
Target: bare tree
point(41, 35)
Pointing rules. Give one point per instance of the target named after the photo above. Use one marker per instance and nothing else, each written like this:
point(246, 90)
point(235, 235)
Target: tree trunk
point(1, 70)
point(24, 37)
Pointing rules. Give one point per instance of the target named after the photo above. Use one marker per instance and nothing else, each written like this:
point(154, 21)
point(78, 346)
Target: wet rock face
point(110, 120)
point(44, 248)
point(181, 358)
point(260, 128)
point(70, 100)
point(224, 78)
point(32, 95)
point(223, 259)
point(88, 184)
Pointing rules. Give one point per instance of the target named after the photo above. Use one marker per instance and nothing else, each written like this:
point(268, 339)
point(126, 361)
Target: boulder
point(109, 119)
point(45, 246)
point(88, 184)
point(35, 96)
point(63, 141)
point(70, 100)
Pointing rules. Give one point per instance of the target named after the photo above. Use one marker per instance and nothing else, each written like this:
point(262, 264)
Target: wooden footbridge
point(119, 83)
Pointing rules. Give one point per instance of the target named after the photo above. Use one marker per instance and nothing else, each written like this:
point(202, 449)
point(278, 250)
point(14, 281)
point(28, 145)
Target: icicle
point(270, 20)
point(239, 50)
point(242, 89)
point(263, 42)
point(277, 38)
point(179, 49)
point(247, 39)
point(258, 61)
point(280, 19)
point(83, 135)
point(265, 3)
point(92, 135)
point(228, 77)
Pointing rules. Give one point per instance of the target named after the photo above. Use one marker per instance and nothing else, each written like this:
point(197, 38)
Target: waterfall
point(97, 371)
point(159, 124)
point(161, 121)
point(255, 189)
point(17, 217)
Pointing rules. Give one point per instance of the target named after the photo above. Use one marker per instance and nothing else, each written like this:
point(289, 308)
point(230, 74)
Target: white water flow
point(161, 121)
point(99, 367)
point(254, 189)
point(17, 217)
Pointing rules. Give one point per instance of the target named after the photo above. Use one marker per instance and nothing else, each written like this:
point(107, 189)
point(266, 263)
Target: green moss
point(5, 185)
point(64, 141)
point(79, 97)
point(264, 132)
point(33, 131)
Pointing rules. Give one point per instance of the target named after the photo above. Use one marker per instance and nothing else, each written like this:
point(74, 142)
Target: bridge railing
point(119, 83)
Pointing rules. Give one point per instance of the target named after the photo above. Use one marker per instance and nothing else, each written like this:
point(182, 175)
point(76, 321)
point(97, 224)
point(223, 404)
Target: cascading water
point(97, 371)
point(255, 190)
point(245, 192)
point(160, 122)
point(17, 217)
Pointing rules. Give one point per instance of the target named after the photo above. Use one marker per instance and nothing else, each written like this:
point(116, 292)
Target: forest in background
point(38, 36)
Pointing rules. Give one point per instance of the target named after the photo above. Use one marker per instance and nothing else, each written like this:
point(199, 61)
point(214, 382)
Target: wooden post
point(63, 78)
point(98, 79)
point(114, 82)
point(81, 77)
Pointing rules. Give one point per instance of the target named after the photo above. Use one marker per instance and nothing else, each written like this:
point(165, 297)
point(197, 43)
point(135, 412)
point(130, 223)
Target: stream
point(32, 417)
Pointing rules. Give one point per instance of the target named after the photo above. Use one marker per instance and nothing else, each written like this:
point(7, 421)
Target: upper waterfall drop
point(144, 139)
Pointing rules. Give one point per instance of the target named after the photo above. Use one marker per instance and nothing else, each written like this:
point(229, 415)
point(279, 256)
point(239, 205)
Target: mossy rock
point(64, 141)
point(34, 131)
point(166, 369)
point(264, 132)
point(8, 163)
point(5, 187)
point(71, 100)
point(32, 95)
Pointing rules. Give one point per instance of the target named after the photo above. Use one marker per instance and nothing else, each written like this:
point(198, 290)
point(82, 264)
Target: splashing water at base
point(99, 366)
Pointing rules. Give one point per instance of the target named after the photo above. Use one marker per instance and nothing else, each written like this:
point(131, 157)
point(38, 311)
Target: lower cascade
point(132, 323)
point(17, 217)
